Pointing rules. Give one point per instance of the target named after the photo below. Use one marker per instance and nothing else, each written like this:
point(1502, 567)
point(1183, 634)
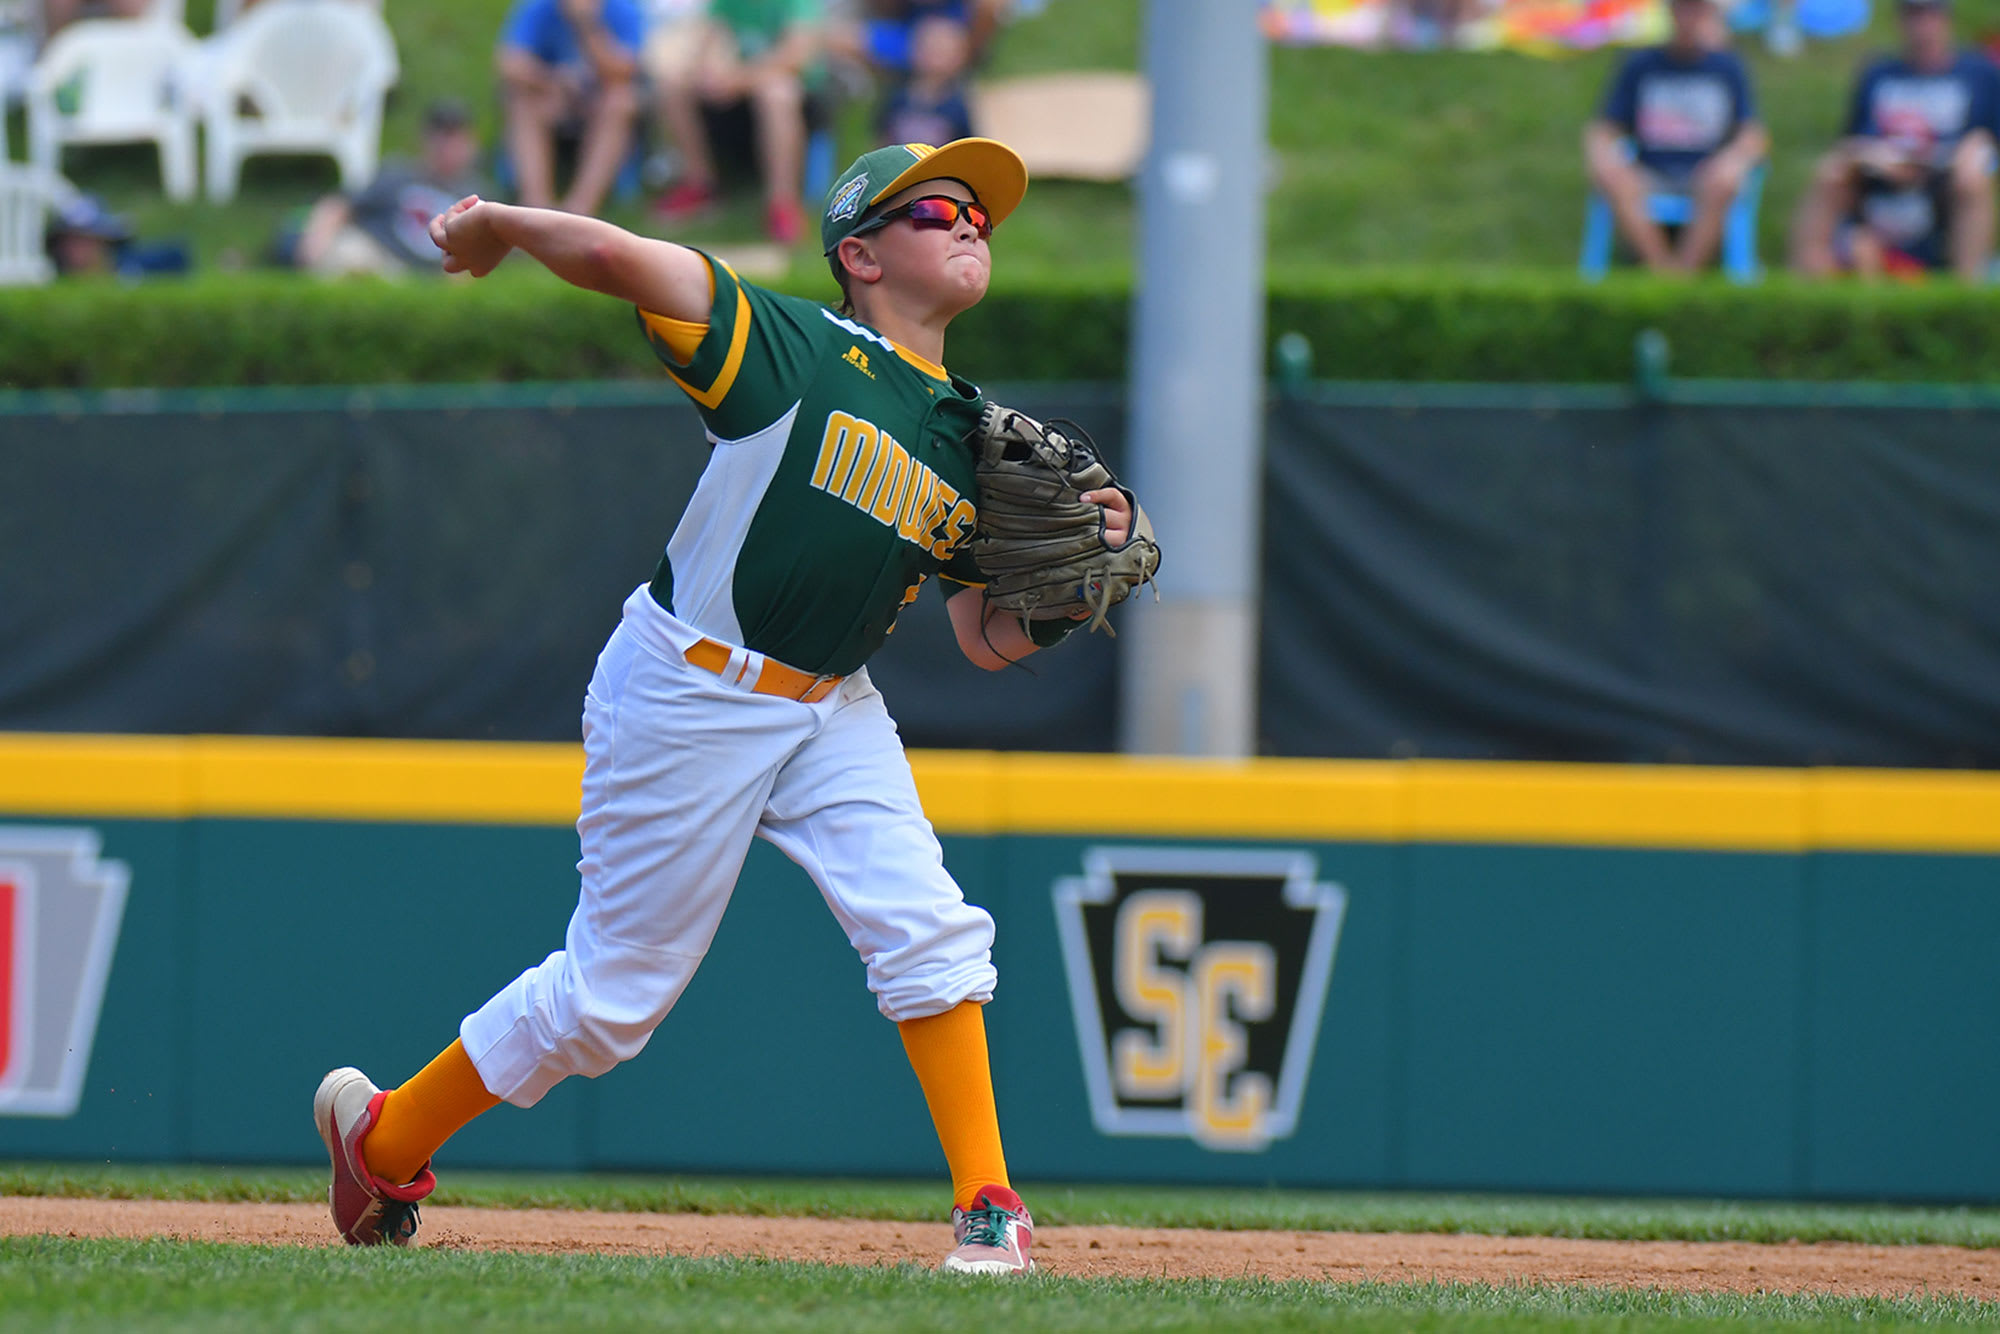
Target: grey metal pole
point(1190, 664)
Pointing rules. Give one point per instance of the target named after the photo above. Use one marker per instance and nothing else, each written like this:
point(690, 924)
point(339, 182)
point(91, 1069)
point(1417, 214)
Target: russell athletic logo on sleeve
point(60, 907)
point(1197, 979)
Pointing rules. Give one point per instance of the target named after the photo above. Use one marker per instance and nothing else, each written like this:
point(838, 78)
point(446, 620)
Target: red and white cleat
point(993, 1236)
point(367, 1211)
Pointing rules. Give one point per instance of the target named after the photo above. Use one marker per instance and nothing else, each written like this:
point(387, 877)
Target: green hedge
point(267, 330)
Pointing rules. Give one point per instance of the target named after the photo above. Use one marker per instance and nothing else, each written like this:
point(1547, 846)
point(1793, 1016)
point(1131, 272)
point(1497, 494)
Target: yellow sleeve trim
point(739, 339)
point(682, 337)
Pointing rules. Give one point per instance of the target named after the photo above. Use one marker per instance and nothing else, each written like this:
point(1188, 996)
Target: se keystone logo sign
point(60, 908)
point(1198, 979)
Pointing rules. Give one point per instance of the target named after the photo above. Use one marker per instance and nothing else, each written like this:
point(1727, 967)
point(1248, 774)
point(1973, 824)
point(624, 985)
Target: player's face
point(932, 265)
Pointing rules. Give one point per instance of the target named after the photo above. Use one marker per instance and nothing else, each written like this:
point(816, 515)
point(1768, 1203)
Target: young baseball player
point(732, 701)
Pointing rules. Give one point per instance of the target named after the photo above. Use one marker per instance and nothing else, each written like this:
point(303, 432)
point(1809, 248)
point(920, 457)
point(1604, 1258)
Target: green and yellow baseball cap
point(992, 170)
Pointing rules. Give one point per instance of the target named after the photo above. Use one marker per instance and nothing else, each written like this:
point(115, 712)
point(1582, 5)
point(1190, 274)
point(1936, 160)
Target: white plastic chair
point(314, 72)
point(25, 197)
point(226, 11)
point(115, 81)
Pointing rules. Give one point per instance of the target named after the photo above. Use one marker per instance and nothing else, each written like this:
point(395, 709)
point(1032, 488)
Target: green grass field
point(77, 1285)
point(1440, 160)
point(68, 1283)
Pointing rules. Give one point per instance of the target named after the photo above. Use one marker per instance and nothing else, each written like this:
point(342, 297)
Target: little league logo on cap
point(60, 909)
point(847, 200)
point(991, 170)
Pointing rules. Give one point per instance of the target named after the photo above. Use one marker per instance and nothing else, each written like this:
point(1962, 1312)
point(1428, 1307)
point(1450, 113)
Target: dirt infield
point(1828, 1267)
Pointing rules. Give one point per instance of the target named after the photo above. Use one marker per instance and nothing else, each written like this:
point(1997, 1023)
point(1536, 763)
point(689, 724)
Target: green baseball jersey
point(838, 481)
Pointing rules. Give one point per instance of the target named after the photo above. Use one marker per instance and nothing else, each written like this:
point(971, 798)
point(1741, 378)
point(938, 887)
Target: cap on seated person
point(86, 215)
point(85, 237)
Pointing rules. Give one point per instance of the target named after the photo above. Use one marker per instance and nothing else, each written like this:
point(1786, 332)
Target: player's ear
point(858, 258)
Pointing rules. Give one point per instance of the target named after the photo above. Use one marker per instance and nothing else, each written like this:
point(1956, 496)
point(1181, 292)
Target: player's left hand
point(1117, 514)
point(465, 233)
point(1117, 525)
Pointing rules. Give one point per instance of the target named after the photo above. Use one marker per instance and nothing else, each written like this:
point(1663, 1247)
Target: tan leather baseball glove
point(1039, 543)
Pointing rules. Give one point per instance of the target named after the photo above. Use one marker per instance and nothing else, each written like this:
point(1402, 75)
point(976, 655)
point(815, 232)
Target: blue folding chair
point(1739, 229)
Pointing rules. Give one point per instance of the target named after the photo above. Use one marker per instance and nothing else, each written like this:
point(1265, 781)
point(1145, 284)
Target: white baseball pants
point(681, 771)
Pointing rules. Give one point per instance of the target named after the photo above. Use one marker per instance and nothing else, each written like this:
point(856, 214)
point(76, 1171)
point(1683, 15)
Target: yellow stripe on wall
point(448, 782)
point(976, 792)
point(116, 776)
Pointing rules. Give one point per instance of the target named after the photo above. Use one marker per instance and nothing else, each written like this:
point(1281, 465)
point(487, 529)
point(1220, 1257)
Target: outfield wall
point(1534, 977)
point(1765, 574)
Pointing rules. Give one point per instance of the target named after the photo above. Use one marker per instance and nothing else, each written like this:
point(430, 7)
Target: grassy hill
point(1382, 160)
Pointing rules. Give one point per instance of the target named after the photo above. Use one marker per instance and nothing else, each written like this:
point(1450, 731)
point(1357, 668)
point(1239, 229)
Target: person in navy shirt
point(568, 68)
point(1910, 185)
point(928, 106)
point(1678, 118)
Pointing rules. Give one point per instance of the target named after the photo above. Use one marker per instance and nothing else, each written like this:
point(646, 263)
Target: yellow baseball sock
point(948, 1052)
point(425, 1112)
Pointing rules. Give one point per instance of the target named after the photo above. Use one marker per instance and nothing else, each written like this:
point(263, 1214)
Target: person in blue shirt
point(569, 68)
point(1910, 184)
point(928, 105)
point(1679, 118)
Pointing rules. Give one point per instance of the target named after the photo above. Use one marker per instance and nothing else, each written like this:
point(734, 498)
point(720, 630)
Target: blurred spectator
point(1425, 25)
point(1678, 119)
point(20, 42)
point(385, 229)
point(928, 106)
point(754, 62)
point(675, 31)
point(85, 239)
point(568, 70)
point(59, 14)
point(923, 51)
point(888, 37)
point(1910, 187)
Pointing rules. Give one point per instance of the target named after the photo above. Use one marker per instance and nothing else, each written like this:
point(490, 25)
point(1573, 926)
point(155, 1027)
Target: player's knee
point(938, 968)
point(600, 1044)
point(611, 1014)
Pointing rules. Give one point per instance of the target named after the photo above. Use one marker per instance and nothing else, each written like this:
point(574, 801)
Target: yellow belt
point(775, 679)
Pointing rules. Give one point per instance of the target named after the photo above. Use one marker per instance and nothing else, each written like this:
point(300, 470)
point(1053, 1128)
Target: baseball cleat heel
point(993, 1236)
point(367, 1211)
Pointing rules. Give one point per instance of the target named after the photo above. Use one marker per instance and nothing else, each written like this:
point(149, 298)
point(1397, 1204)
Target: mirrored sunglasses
point(934, 211)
